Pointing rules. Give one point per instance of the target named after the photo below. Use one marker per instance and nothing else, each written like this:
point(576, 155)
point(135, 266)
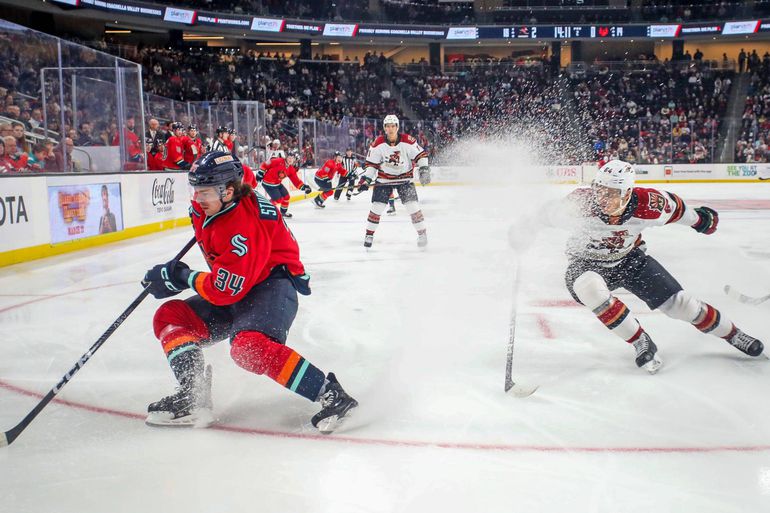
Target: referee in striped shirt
point(350, 163)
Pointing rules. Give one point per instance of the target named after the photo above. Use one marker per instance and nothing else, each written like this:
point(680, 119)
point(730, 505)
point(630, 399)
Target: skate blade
point(201, 418)
point(653, 366)
point(328, 425)
point(522, 391)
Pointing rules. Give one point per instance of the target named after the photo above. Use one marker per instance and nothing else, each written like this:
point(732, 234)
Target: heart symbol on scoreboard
point(603, 31)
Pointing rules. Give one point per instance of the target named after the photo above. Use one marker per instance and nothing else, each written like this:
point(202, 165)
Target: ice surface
point(419, 338)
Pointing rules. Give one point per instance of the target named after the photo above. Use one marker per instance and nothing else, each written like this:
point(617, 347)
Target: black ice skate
point(391, 209)
point(336, 404)
point(190, 406)
point(368, 240)
point(319, 203)
point(647, 354)
point(287, 214)
point(746, 343)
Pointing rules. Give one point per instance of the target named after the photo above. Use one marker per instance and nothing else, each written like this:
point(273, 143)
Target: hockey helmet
point(293, 154)
point(612, 186)
point(176, 126)
point(276, 141)
point(216, 168)
point(192, 127)
point(221, 130)
point(337, 154)
point(390, 119)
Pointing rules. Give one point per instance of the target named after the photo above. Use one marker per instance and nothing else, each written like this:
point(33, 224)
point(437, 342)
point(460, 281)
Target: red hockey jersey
point(175, 151)
point(274, 171)
point(331, 168)
point(242, 243)
point(192, 149)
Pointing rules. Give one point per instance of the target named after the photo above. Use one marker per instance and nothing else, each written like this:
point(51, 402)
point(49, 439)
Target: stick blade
point(519, 390)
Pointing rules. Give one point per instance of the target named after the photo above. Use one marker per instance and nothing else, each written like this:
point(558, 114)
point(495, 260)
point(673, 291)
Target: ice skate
point(319, 203)
point(368, 241)
point(647, 354)
point(189, 406)
point(335, 403)
point(746, 343)
point(287, 214)
point(422, 239)
point(391, 209)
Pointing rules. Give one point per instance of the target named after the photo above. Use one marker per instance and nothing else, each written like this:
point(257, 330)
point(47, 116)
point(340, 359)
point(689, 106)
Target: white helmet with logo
point(616, 174)
point(276, 141)
point(390, 119)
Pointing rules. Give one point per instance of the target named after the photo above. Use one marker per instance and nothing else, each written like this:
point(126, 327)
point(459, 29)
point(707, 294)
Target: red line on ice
point(477, 446)
point(545, 327)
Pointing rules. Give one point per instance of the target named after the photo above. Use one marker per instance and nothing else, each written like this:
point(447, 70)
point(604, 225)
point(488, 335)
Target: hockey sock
point(180, 332)
point(616, 316)
point(373, 221)
point(418, 220)
point(257, 353)
point(712, 322)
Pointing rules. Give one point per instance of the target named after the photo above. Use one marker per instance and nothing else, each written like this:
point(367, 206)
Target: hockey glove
point(363, 185)
point(708, 219)
point(166, 280)
point(424, 175)
point(305, 188)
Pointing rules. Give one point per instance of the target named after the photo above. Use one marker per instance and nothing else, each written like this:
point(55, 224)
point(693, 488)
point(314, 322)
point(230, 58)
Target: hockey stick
point(9, 436)
point(734, 294)
point(515, 389)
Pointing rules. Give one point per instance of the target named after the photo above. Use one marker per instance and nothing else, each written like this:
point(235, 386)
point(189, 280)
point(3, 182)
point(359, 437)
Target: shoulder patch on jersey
point(651, 203)
point(408, 138)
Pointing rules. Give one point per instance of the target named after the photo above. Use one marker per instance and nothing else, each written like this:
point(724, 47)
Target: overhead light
point(333, 44)
point(117, 31)
point(277, 44)
point(191, 37)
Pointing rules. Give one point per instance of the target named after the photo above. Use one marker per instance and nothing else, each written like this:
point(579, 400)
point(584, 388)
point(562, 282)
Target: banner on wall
point(78, 211)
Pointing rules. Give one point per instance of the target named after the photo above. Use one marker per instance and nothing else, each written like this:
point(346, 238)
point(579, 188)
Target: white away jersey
point(609, 239)
point(388, 162)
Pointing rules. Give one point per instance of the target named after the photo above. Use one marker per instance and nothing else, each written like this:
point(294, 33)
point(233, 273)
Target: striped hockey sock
point(616, 316)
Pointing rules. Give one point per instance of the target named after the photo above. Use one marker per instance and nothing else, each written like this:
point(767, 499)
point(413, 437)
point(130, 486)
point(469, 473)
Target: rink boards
point(45, 215)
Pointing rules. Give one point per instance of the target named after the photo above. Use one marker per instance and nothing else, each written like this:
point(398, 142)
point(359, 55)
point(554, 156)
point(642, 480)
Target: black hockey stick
point(516, 389)
point(734, 294)
point(9, 436)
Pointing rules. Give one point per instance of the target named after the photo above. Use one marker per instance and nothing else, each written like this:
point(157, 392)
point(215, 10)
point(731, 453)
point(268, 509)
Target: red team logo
point(394, 158)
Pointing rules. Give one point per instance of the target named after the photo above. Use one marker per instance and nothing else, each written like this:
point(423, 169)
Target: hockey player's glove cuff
point(424, 172)
point(363, 184)
point(708, 219)
point(306, 188)
point(166, 280)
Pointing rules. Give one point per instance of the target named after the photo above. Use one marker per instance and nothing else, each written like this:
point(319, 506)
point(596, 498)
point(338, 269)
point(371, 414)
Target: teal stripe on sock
point(176, 352)
point(298, 378)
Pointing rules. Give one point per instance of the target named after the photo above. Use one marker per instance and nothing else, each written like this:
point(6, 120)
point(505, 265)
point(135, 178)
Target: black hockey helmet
point(221, 130)
point(337, 154)
point(216, 168)
point(192, 127)
point(177, 126)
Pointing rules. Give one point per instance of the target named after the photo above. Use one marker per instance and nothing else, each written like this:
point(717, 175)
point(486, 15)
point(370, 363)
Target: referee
point(350, 163)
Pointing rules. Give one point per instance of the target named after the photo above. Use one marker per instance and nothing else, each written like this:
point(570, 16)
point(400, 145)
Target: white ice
point(419, 338)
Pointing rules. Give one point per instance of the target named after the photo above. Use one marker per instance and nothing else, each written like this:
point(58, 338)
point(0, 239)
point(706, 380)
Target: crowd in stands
point(683, 11)
point(754, 136)
point(668, 113)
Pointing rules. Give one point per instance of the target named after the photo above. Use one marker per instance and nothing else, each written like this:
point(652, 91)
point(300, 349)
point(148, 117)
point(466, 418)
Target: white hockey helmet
point(390, 119)
point(276, 141)
point(616, 174)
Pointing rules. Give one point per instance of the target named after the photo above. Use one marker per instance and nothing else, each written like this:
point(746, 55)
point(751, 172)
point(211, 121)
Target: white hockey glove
point(424, 172)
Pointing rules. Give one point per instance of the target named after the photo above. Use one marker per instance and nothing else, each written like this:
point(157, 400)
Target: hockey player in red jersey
point(273, 172)
point(607, 252)
point(156, 154)
point(175, 148)
point(325, 175)
point(193, 146)
point(248, 294)
point(390, 163)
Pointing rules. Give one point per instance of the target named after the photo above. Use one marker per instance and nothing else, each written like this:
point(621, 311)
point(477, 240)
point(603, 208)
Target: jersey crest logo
point(394, 158)
point(238, 242)
point(657, 201)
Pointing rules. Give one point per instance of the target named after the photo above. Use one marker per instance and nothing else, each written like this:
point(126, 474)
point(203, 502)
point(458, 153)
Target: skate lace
point(742, 341)
point(642, 345)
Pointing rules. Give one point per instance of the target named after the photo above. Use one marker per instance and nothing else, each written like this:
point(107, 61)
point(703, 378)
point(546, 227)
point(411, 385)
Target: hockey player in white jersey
point(390, 164)
point(606, 252)
point(274, 150)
